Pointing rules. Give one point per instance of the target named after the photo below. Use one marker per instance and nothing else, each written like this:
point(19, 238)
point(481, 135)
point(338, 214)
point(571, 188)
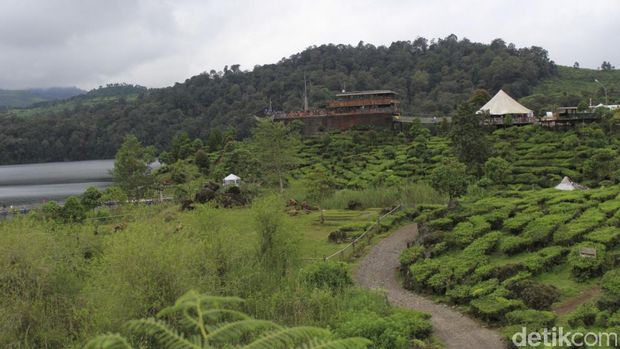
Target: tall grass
point(408, 194)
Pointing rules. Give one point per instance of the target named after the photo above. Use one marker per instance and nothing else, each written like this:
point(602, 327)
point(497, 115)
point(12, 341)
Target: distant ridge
point(28, 97)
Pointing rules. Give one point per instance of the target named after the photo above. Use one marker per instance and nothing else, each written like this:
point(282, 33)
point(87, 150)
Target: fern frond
point(167, 337)
point(193, 299)
point(234, 331)
point(288, 338)
point(108, 341)
point(346, 343)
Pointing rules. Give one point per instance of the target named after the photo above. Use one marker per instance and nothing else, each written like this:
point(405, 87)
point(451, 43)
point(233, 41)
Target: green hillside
point(29, 97)
point(571, 86)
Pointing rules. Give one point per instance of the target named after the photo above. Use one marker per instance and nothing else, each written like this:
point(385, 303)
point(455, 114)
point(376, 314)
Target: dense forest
point(432, 77)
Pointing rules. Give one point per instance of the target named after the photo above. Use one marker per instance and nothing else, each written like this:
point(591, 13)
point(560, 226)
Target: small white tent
point(568, 184)
point(503, 104)
point(232, 179)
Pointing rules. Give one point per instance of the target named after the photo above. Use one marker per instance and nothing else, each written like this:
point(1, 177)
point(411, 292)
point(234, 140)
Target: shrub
point(586, 267)
point(394, 331)
point(493, 308)
point(608, 236)
point(533, 319)
point(584, 315)
point(444, 223)
point(573, 232)
point(513, 244)
point(331, 275)
point(410, 256)
point(535, 295)
point(611, 283)
point(466, 232)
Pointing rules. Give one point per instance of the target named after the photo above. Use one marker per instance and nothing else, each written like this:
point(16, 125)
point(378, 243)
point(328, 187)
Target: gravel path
point(379, 270)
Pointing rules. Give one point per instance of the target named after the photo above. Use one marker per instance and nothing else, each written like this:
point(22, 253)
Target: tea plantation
point(524, 258)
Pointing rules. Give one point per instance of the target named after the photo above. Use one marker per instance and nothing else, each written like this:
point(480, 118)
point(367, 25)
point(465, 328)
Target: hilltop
point(29, 97)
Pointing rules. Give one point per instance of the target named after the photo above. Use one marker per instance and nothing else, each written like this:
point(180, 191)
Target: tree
point(72, 211)
point(275, 145)
point(450, 178)
point(576, 65)
point(181, 146)
point(497, 169)
point(319, 186)
point(479, 98)
point(131, 171)
point(202, 161)
point(607, 66)
point(469, 137)
point(216, 323)
point(91, 198)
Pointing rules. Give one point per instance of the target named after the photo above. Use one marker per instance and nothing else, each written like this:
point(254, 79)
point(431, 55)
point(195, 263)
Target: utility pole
point(604, 89)
point(305, 94)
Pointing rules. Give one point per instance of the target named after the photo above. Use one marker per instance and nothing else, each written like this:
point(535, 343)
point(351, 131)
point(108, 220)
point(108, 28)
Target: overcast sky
point(87, 43)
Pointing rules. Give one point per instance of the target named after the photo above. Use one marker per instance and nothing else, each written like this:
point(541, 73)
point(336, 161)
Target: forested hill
point(24, 98)
point(431, 77)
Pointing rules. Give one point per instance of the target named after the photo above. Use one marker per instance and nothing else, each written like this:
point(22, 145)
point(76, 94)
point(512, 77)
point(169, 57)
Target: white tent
point(568, 184)
point(232, 179)
point(503, 104)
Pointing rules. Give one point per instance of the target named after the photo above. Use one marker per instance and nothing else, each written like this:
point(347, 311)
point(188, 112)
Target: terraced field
point(535, 258)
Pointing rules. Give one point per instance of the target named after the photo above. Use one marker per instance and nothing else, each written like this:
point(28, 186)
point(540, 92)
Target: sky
point(155, 43)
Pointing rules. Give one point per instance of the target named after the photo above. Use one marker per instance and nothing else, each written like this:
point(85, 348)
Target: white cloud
point(156, 43)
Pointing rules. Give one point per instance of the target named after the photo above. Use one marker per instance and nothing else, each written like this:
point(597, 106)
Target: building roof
point(502, 104)
point(232, 177)
point(362, 93)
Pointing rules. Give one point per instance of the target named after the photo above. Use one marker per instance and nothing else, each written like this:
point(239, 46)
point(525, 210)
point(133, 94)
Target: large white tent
point(232, 179)
point(503, 104)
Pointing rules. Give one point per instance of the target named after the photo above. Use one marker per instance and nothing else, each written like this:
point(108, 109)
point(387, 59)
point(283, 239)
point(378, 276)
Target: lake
point(37, 183)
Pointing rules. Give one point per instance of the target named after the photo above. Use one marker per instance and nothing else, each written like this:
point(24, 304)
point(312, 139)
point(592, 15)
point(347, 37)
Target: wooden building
point(375, 108)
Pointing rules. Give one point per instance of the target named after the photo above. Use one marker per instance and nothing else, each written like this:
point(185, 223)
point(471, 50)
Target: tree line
point(431, 77)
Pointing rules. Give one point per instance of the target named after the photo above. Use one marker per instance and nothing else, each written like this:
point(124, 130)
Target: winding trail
point(379, 270)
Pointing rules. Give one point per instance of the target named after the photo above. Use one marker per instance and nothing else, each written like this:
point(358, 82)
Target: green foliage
point(277, 248)
point(72, 210)
point(212, 322)
point(275, 147)
point(450, 178)
point(430, 78)
point(91, 198)
point(393, 331)
point(469, 138)
point(494, 308)
point(331, 275)
point(497, 169)
point(533, 319)
point(583, 268)
point(131, 167)
point(320, 186)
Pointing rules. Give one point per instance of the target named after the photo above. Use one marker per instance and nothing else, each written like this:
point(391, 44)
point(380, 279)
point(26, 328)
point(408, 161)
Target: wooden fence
point(349, 250)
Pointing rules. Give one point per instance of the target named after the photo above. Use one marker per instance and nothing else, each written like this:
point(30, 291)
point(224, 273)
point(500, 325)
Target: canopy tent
point(232, 179)
point(503, 104)
point(568, 184)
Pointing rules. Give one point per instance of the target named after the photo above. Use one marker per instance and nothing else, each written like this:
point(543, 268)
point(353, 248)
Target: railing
point(351, 247)
point(362, 102)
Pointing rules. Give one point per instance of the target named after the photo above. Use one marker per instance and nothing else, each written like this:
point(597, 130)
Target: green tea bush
point(466, 232)
point(494, 308)
point(583, 268)
point(395, 331)
point(608, 236)
point(584, 315)
point(410, 256)
point(532, 319)
point(573, 232)
point(516, 224)
point(513, 244)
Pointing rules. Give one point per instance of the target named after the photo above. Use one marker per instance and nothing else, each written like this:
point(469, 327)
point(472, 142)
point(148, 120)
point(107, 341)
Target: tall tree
point(131, 171)
point(275, 145)
point(469, 137)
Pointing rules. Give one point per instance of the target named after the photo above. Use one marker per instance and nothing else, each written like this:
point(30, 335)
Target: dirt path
point(379, 270)
point(572, 303)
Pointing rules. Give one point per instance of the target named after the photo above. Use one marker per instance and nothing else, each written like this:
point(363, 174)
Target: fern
point(108, 341)
point(210, 324)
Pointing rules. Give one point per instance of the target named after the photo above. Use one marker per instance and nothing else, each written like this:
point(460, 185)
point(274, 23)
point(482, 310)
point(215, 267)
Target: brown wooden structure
point(349, 109)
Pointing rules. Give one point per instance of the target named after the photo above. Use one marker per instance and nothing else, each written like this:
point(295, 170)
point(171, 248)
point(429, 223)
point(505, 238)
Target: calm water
point(35, 183)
